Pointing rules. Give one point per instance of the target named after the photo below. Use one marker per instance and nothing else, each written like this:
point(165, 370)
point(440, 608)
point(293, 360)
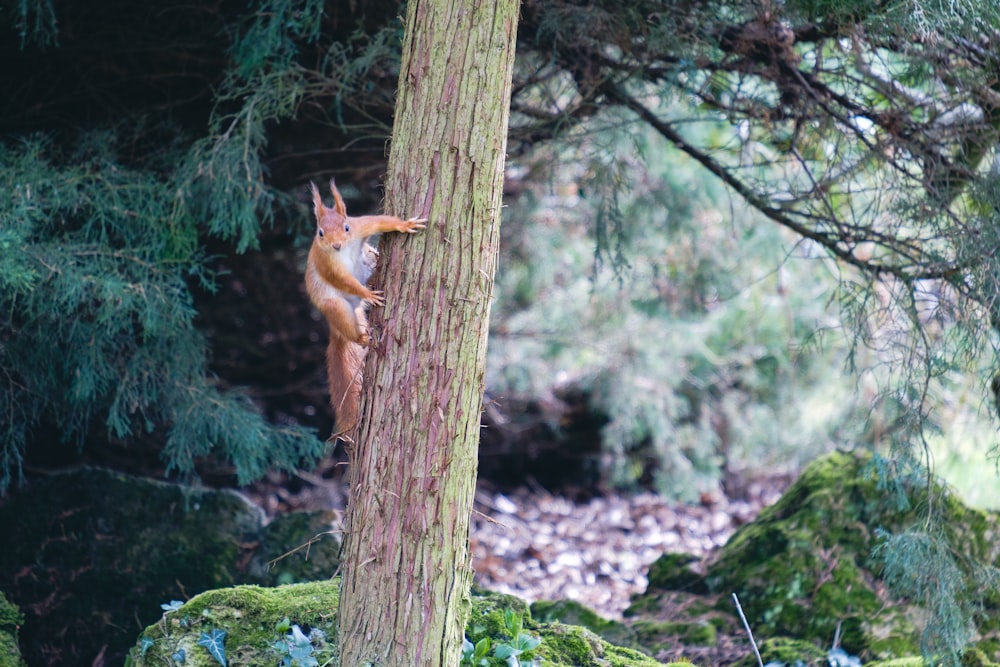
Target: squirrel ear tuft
point(338, 201)
point(317, 201)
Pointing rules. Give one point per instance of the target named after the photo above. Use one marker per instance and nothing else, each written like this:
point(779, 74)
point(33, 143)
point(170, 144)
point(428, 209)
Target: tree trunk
point(406, 559)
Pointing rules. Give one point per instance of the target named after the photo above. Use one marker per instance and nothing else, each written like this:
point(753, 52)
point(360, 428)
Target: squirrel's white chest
point(359, 259)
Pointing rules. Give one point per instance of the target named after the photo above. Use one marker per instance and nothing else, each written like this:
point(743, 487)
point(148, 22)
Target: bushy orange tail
point(344, 361)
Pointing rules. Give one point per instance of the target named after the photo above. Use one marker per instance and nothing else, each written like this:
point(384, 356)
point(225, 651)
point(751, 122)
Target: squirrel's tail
point(344, 360)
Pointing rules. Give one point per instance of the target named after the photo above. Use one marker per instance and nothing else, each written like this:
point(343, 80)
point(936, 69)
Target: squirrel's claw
point(413, 225)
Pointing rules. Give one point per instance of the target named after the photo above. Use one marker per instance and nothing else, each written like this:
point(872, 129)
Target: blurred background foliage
point(713, 345)
point(695, 330)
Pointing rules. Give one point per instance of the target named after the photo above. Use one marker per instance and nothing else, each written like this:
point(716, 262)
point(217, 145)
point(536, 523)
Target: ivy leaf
point(180, 656)
point(214, 643)
point(300, 648)
point(173, 605)
point(145, 643)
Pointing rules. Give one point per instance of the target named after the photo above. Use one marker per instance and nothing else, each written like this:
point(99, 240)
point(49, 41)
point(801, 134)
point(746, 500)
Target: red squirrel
point(340, 263)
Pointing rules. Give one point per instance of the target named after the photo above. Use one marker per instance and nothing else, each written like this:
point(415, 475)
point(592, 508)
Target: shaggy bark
point(407, 567)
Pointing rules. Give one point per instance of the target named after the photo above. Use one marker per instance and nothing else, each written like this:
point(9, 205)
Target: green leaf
point(482, 650)
point(513, 621)
point(214, 643)
point(525, 642)
point(504, 651)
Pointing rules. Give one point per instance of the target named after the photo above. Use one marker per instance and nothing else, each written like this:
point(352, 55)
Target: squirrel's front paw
point(376, 298)
point(414, 225)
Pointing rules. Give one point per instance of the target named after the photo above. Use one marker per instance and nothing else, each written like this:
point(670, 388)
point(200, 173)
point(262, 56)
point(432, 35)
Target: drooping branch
point(840, 245)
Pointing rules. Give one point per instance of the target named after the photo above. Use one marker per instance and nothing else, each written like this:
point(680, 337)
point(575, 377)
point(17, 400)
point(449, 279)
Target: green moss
point(486, 618)
point(804, 566)
point(248, 614)
point(562, 645)
point(574, 613)
point(988, 646)
point(784, 650)
point(898, 662)
point(10, 620)
point(642, 604)
point(295, 548)
point(700, 634)
point(572, 646)
point(976, 658)
point(673, 572)
point(657, 636)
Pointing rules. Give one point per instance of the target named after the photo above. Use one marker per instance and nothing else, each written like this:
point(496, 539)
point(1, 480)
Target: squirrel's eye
point(320, 232)
point(347, 227)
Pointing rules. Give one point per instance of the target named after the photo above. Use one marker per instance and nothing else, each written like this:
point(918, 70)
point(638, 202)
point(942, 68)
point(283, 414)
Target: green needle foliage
point(98, 326)
point(102, 238)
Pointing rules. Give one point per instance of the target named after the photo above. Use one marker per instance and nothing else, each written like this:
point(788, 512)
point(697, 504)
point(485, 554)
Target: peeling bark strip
point(407, 567)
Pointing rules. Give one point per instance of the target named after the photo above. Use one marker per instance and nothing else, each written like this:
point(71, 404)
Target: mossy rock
point(898, 662)
point(678, 623)
point(574, 646)
point(294, 548)
point(804, 566)
point(971, 658)
point(976, 658)
point(787, 652)
point(563, 645)
point(673, 572)
point(97, 552)
point(10, 620)
point(571, 612)
point(254, 619)
point(657, 636)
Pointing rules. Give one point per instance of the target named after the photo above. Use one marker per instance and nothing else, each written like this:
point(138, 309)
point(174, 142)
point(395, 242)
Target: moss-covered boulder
point(786, 652)
point(675, 572)
point(805, 568)
point(562, 644)
point(97, 552)
point(571, 612)
point(810, 568)
point(250, 625)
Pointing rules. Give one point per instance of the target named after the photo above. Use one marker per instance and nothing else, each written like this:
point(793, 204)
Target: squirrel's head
point(332, 227)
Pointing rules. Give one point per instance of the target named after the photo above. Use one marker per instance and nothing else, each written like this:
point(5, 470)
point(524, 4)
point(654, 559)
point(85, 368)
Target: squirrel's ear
point(317, 202)
point(338, 201)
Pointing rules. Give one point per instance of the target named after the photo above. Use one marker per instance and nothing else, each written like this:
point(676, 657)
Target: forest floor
point(540, 546)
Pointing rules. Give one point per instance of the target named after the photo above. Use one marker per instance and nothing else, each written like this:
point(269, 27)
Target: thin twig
point(746, 625)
